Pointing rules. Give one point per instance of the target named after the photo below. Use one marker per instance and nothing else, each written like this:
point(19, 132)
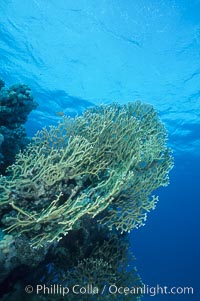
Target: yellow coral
point(105, 163)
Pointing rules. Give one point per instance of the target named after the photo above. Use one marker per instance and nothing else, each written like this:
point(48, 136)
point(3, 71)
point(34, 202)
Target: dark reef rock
point(16, 103)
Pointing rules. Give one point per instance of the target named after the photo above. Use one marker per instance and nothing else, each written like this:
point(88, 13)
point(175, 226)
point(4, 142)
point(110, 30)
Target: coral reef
point(11, 250)
point(16, 103)
point(106, 265)
point(88, 257)
point(105, 163)
point(72, 196)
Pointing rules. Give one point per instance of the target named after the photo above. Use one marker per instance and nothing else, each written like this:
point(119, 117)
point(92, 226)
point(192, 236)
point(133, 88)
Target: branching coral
point(105, 163)
point(108, 263)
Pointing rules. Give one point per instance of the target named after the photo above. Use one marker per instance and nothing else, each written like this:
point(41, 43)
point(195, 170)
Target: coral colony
point(71, 197)
point(16, 103)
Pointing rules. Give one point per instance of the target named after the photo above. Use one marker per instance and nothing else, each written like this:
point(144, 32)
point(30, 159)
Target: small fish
point(60, 114)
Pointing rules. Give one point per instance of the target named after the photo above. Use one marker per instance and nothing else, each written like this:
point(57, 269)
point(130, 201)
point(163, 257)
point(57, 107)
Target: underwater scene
point(99, 150)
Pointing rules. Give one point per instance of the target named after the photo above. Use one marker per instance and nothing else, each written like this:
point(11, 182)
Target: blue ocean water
point(74, 54)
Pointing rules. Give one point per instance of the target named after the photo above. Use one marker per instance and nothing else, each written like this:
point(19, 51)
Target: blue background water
point(76, 53)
